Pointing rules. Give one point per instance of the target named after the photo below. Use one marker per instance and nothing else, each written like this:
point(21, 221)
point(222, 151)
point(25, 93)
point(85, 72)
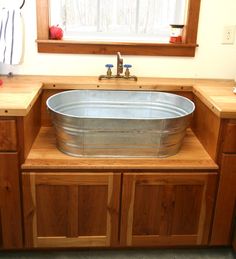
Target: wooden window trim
point(185, 49)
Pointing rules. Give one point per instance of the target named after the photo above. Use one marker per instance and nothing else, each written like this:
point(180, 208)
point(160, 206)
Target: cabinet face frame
point(131, 181)
point(72, 180)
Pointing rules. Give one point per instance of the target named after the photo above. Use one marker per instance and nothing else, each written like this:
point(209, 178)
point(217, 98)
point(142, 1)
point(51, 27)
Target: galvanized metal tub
point(97, 123)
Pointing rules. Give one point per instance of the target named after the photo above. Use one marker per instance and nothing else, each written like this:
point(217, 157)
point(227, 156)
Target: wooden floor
point(45, 155)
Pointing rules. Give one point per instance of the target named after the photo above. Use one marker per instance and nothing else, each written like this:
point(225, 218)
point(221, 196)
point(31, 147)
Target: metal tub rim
point(185, 99)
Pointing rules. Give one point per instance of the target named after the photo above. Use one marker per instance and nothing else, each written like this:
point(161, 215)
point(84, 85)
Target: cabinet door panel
point(187, 198)
point(167, 209)
point(92, 210)
point(71, 209)
point(52, 210)
point(147, 222)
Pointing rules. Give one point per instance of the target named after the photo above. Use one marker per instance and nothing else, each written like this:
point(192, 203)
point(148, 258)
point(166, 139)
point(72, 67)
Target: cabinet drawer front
point(8, 140)
point(229, 145)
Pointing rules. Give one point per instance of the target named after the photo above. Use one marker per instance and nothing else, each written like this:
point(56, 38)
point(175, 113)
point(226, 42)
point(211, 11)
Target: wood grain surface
point(71, 209)
point(19, 93)
point(16, 99)
point(178, 211)
point(10, 201)
point(45, 155)
point(8, 139)
point(225, 204)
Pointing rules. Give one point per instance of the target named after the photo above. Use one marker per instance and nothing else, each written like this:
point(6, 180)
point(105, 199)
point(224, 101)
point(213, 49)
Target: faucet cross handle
point(109, 66)
point(127, 66)
point(127, 73)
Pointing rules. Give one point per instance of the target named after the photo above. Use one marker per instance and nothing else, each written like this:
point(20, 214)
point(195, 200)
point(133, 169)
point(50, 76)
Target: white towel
point(11, 36)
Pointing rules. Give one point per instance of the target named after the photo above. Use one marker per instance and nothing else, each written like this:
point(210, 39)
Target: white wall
point(212, 60)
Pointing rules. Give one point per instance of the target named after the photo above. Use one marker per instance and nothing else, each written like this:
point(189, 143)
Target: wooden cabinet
point(146, 209)
point(225, 209)
point(83, 209)
point(10, 202)
point(160, 209)
point(226, 202)
point(71, 209)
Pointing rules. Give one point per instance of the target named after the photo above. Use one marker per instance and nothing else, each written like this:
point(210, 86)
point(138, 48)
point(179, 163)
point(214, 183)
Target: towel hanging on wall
point(11, 36)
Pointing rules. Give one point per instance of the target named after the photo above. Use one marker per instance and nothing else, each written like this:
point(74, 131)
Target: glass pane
point(118, 20)
point(155, 16)
point(81, 15)
point(118, 16)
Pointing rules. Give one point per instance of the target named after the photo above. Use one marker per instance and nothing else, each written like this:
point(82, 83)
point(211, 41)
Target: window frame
point(185, 49)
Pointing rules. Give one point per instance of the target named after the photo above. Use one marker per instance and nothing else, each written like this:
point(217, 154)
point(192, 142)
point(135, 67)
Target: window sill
point(147, 49)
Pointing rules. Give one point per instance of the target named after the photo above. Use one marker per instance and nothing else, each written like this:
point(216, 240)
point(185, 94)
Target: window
point(117, 20)
point(101, 32)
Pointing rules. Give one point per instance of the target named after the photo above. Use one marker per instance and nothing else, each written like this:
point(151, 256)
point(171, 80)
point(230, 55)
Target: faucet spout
point(119, 64)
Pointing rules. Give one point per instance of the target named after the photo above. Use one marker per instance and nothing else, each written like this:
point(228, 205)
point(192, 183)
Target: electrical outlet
point(228, 35)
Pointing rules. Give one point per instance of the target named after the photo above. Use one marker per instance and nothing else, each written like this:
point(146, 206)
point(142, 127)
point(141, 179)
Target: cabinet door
point(71, 209)
point(167, 208)
point(10, 202)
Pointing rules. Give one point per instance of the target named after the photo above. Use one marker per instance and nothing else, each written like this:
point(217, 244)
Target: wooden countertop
point(17, 94)
point(220, 98)
point(45, 156)
point(16, 99)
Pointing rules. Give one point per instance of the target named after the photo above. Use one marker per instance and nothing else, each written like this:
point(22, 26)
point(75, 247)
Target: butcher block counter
point(18, 93)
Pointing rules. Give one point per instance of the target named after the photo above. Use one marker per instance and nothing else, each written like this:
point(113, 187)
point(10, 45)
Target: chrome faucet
point(119, 70)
